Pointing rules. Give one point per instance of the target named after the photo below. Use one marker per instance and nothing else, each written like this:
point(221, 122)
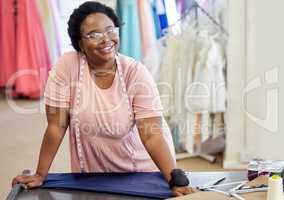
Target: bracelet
point(178, 178)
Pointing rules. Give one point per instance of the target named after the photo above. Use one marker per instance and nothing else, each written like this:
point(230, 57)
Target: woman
point(110, 104)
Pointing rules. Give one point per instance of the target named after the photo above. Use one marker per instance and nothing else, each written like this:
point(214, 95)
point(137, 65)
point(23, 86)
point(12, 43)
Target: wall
point(265, 67)
point(255, 120)
point(236, 81)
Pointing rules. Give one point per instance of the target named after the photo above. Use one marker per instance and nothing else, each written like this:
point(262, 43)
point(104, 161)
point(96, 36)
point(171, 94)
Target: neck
point(95, 65)
point(102, 69)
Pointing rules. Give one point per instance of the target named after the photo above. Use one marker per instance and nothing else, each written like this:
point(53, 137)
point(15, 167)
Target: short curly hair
point(78, 16)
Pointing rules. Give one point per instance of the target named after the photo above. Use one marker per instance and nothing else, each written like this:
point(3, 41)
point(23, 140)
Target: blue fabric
point(145, 184)
point(130, 38)
point(156, 20)
point(162, 15)
point(163, 22)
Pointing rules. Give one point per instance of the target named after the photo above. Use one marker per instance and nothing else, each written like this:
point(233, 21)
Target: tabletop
point(196, 179)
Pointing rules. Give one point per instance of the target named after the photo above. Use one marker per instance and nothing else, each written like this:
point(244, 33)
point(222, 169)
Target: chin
point(107, 56)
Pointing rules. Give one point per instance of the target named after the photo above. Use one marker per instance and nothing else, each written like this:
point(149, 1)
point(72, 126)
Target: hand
point(31, 181)
point(180, 191)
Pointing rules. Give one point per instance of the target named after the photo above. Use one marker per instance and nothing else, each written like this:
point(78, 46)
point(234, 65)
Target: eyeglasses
point(99, 36)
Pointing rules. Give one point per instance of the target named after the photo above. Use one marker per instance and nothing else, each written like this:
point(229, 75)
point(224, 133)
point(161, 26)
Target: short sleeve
point(146, 99)
point(57, 89)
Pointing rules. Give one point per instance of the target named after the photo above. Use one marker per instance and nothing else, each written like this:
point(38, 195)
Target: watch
point(178, 178)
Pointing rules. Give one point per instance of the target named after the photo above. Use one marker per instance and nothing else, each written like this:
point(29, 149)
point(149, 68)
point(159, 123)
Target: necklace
point(104, 72)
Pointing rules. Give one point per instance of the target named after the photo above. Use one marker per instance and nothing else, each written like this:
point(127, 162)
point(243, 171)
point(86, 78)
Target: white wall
point(255, 126)
point(236, 81)
point(265, 62)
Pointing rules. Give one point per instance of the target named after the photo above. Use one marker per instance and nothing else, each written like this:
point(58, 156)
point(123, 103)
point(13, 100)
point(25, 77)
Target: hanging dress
point(161, 12)
point(49, 28)
point(151, 57)
point(146, 26)
point(171, 11)
point(156, 19)
point(33, 61)
point(56, 12)
point(7, 43)
point(130, 39)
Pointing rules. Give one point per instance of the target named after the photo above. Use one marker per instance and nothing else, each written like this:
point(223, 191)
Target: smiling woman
point(110, 104)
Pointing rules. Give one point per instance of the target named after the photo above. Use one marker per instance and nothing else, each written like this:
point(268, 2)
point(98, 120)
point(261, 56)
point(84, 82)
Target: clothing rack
point(197, 7)
point(197, 132)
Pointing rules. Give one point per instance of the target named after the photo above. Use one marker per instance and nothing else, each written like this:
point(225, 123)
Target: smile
point(107, 49)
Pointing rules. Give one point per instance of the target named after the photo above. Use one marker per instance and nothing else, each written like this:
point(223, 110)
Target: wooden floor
point(199, 164)
point(21, 139)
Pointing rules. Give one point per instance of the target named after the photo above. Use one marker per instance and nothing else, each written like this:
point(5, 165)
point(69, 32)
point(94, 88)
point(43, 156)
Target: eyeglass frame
point(114, 30)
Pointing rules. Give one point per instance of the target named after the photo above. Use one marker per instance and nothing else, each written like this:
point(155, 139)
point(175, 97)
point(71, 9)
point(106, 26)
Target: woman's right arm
point(58, 121)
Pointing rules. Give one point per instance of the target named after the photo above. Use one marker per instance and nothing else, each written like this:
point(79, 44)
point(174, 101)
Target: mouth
point(107, 49)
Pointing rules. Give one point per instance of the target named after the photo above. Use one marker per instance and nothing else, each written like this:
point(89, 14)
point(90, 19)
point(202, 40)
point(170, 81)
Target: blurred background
point(217, 63)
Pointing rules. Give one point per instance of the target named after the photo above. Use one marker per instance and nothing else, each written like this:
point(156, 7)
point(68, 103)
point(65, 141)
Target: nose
point(105, 38)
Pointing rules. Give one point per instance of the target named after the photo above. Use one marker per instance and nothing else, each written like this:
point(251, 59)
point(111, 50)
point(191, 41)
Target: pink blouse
point(107, 138)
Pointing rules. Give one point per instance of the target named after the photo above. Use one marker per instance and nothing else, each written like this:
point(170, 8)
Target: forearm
point(160, 154)
point(50, 144)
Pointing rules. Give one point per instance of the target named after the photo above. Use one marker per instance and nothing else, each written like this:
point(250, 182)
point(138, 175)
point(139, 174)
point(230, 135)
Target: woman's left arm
point(148, 113)
point(150, 131)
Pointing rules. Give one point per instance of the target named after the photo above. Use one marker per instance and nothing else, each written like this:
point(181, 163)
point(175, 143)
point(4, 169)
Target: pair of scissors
point(232, 193)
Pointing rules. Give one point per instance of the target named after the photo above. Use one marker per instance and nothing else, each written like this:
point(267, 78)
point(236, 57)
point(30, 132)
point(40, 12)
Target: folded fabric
point(145, 184)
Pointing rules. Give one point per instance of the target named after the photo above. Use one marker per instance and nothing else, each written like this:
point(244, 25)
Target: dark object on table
point(178, 178)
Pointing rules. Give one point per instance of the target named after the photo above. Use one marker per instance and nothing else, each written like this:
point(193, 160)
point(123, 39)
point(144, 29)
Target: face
point(98, 47)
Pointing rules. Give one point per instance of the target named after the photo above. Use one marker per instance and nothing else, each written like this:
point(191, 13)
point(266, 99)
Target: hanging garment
point(219, 125)
point(146, 26)
point(65, 8)
point(180, 6)
point(191, 81)
point(209, 89)
point(183, 6)
point(150, 184)
point(33, 62)
point(175, 79)
point(50, 28)
point(7, 43)
point(151, 57)
point(156, 19)
point(207, 93)
point(171, 11)
point(218, 10)
point(130, 38)
point(168, 73)
point(55, 7)
point(198, 97)
point(176, 70)
point(204, 3)
point(161, 12)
